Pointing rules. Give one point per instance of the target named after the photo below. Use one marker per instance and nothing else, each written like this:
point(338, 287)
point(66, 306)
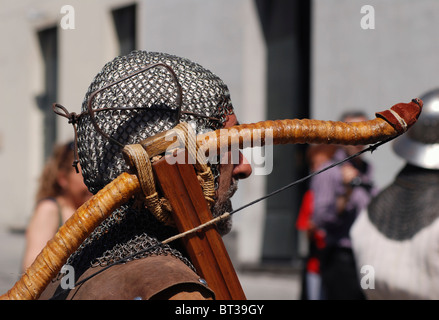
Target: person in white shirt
point(396, 240)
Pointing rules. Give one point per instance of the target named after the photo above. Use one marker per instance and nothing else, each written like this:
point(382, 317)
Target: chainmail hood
point(129, 103)
point(407, 205)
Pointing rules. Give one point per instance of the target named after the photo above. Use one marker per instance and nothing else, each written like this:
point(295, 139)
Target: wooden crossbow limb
point(49, 262)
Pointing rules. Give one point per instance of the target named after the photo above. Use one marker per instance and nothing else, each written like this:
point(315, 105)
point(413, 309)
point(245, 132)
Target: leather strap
point(402, 115)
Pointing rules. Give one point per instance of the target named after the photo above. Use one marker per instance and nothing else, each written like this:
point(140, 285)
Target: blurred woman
point(60, 193)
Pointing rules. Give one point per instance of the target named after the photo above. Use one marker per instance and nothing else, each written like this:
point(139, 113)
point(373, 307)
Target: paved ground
point(11, 249)
point(257, 284)
point(264, 285)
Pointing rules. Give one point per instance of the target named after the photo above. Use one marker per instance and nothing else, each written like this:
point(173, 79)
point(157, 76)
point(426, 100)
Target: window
point(48, 40)
point(286, 27)
point(125, 24)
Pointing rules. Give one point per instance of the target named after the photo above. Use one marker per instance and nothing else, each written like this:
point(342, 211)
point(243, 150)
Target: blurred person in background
point(317, 156)
point(61, 191)
point(396, 240)
point(339, 196)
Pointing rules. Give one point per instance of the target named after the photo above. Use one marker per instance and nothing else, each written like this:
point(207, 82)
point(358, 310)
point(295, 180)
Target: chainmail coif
point(133, 228)
point(412, 197)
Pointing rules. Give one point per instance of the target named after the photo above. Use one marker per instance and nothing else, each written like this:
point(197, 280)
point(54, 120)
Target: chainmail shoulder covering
point(125, 233)
point(408, 205)
point(149, 99)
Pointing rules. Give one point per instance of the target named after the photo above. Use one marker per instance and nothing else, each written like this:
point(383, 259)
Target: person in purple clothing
point(339, 195)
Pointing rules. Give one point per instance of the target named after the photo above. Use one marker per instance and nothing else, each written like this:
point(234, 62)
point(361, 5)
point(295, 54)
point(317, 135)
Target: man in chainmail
point(396, 240)
point(134, 97)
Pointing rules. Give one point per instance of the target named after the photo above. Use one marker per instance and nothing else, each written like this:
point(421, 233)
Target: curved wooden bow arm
point(387, 124)
point(49, 262)
point(71, 235)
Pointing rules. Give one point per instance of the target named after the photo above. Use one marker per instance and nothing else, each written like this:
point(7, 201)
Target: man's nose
point(243, 169)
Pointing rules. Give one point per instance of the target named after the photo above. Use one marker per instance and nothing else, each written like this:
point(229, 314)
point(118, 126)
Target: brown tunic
point(156, 277)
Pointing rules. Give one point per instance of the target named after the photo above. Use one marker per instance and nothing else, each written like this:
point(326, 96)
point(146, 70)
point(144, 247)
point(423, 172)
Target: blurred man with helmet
point(396, 240)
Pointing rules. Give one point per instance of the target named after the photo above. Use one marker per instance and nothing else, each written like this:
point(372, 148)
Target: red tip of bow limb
point(402, 115)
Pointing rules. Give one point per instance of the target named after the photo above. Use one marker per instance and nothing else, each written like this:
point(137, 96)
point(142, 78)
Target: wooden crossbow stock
point(206, 249)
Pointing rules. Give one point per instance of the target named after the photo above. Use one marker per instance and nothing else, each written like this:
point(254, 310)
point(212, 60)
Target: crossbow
point(181, 187)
